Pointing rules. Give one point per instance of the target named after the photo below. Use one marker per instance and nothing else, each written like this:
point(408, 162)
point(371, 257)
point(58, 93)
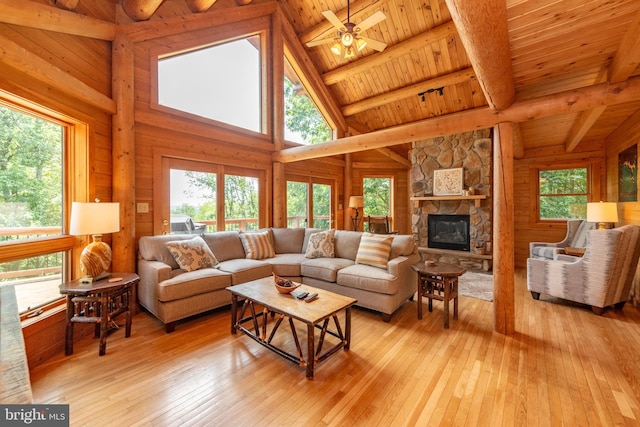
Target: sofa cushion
point(286, 265)
point(402, 245)
point(187, 284)
point(192, 254)
point(244, 270)
point(374, 250)
point(225, 245)
point(321, 245)
point(287, 240)
point(324, 268)
point(347, 243)
point(257, 244)
point(368, 278)
point(307, 234)
point(153, 248)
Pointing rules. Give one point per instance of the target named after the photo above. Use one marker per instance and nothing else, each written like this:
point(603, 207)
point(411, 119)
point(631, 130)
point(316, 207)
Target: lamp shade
point(602, 212)
point(356, 202)
point(94, 218)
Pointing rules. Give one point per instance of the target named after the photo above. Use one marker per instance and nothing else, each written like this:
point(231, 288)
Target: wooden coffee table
point(264, 302)
point(438, 281)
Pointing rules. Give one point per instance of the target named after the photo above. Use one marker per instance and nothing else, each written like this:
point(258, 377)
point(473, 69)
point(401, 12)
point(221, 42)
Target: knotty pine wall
point(89, 61)
point(524, 198)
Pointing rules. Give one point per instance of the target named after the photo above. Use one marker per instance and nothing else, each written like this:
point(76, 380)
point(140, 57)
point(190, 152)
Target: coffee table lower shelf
point(261, 307)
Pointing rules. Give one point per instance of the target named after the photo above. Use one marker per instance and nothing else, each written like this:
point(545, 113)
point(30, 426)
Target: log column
point(503, 229)
point(123, 152)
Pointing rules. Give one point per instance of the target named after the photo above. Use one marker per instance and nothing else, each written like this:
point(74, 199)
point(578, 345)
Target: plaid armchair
point(601, 278)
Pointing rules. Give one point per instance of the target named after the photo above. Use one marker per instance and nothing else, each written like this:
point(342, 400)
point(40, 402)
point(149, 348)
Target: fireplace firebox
point(449, 232)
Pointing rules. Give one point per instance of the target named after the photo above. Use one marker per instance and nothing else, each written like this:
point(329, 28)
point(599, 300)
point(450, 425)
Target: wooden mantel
point(476, 198)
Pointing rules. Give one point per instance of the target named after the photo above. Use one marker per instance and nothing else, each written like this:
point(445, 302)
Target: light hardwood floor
point(563, 366)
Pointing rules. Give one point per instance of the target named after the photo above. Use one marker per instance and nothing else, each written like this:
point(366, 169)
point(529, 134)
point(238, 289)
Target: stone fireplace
point(471, 151)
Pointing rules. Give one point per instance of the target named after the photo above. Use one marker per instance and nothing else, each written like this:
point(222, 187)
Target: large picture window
point(220, 82)
point(34, 193)
point(206, 197)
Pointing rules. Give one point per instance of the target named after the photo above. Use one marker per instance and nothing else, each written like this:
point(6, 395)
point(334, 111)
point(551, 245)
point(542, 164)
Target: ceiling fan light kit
point(349, 34)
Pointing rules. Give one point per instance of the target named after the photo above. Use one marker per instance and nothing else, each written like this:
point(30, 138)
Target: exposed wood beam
point(43, 71)
point(503, 229)
point(518, 142)
point(140, 10)
point(243, 2)
point(123, 154)
point(581, 126)
point(628, 55)
point(198, 6)
point(35, 15)
point(408, 91)
point(67, 4)
point(482, 27)
point(394, 156)
point(147, 30)
point(431, 36)
point(480, 118)
point(323, 26)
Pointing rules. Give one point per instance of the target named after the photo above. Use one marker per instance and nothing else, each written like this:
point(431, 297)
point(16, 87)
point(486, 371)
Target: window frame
point(593, 188)
point(310, 181)
point(211, 37)
point(75, 187)
point(392, 191)
point(162, 197)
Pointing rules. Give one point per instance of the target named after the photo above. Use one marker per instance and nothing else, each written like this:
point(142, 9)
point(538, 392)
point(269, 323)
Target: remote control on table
point(299, 294)
point(311, 297)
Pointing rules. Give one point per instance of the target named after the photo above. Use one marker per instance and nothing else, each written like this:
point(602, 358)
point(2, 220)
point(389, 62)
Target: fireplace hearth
point(449, 232)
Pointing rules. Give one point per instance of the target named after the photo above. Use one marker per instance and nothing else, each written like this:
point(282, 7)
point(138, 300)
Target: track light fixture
point(437, 89)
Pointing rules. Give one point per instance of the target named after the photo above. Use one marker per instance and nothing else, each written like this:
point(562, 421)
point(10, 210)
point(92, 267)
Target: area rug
point(476, 285)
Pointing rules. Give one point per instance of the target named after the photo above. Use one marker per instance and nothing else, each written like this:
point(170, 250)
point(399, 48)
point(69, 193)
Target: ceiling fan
point(349, 37)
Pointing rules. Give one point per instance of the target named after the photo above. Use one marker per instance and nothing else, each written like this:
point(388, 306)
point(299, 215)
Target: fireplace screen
point(449, 232)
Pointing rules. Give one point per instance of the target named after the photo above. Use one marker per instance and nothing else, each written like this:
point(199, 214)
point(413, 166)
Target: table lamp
point(356, 202)
point(602, 213)
point(95, 219)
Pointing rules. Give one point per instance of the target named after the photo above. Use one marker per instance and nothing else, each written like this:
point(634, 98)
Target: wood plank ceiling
point(554, 46)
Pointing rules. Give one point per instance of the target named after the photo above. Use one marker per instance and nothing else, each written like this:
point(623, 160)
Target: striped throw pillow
point(257, 245)
point(374, 250)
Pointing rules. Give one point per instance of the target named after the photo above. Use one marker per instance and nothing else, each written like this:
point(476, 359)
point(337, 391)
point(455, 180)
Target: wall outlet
point(142, 207)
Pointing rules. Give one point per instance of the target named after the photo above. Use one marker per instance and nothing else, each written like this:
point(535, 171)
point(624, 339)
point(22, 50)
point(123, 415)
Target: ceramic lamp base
point(95, 258)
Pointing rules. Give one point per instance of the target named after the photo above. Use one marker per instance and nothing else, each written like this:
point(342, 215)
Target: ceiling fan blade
point(313, 43)
point(331, 17)
point(374, 44)
point(370, 21)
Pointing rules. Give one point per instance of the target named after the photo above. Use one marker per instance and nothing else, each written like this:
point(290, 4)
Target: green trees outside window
point(563, 193)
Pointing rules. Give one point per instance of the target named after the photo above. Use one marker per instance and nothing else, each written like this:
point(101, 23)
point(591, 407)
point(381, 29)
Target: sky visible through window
point(220, 82)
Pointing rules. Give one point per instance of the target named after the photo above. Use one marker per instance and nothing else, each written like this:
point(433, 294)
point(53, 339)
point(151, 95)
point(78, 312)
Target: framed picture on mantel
point(448, 182)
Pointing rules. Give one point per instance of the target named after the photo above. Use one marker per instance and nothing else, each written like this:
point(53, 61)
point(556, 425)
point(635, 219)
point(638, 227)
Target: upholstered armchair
point(576, 237)
point(601, 278)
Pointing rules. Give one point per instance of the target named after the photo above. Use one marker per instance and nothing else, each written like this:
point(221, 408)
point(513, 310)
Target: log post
point(123, 153)
point(503, 229)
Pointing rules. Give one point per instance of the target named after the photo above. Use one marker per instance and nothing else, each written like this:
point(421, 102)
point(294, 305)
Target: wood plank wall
point(525, 230)
point(89, 61)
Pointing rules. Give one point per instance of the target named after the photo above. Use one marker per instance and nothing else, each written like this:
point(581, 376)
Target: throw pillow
point(321, 245)
point(374, 250)
point(257, 245)
point(192, 254)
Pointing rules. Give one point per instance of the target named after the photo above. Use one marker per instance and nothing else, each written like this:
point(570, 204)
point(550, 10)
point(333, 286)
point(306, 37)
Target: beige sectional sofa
point(171, 293)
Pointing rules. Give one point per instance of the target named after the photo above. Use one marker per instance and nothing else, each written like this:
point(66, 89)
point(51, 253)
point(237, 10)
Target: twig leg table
point(438, 281)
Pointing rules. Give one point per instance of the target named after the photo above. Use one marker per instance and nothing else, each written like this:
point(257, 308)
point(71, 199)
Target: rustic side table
point(438, 281)
point(99, 303)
